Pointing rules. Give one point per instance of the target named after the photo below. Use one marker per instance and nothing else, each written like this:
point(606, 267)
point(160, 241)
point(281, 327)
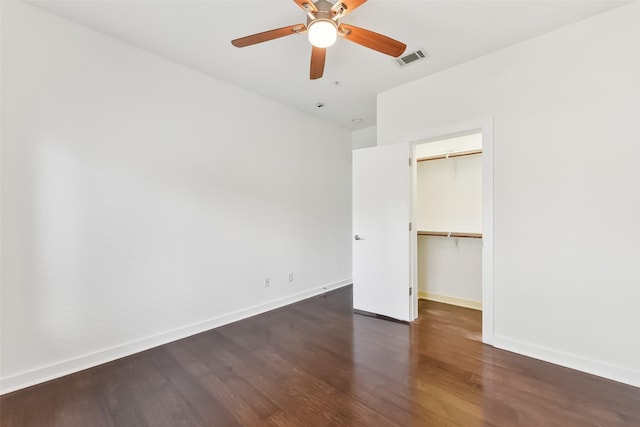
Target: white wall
point(449, 145)
point(565, 110)
point(450, 270)
point(363, 138)
point(449, 195)
point(143, 201)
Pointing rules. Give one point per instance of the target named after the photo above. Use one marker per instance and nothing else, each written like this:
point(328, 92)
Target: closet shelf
point(449, 155)
point(449, 234)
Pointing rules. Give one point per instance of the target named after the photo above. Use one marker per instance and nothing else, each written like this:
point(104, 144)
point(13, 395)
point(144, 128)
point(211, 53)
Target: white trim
point(413, 235)
point(460, 302)
point(594, 367)
point(485, 126)
point(66, 367)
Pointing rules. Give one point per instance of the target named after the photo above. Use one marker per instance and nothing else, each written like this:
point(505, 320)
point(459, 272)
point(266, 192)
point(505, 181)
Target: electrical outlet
point(291, 277)
point(267, 282)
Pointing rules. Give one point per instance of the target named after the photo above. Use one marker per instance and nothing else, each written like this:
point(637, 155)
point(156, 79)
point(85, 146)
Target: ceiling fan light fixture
point(323, 27)
point(322, 32)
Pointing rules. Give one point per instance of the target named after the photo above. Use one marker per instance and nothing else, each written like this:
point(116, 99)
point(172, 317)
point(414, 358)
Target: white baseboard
point(601, 369)
point(450, 300)
point(60, 369)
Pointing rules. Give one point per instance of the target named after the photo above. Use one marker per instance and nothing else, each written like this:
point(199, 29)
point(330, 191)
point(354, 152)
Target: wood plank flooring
point(315, 363)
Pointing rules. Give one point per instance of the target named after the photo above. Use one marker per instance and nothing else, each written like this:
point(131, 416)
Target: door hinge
point(410, 226)
point(410, 291)
point(409, 161)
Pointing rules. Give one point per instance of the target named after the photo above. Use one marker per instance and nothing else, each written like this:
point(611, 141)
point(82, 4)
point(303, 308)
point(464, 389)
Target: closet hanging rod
point(449, 155)
point(450, 234)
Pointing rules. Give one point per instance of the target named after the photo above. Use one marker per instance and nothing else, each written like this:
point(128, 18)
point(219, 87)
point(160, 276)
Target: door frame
point(485, 127)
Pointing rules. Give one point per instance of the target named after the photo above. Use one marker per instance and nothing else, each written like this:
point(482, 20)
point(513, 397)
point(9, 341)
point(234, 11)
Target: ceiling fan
point(323, 27)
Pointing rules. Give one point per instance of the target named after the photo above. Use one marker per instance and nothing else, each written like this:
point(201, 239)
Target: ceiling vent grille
point(411, 58)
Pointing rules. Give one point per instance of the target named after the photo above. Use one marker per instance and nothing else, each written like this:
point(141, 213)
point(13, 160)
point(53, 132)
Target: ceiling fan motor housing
point(323, 13)
point(322, 24)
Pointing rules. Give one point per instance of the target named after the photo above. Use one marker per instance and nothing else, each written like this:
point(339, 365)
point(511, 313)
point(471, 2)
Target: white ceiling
point(198, 34)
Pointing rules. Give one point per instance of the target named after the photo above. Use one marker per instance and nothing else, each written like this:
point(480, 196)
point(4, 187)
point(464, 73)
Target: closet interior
point(449, 220)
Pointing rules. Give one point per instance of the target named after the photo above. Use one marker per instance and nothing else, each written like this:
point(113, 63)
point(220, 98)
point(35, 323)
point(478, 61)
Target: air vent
point(411, 58)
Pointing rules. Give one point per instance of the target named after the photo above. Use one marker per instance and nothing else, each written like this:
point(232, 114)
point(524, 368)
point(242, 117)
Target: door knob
point(356, 237)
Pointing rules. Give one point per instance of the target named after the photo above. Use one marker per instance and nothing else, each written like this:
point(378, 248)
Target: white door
point(381, 245)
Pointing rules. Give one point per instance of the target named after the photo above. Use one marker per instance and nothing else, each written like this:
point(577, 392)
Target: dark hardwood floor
point(315, 363)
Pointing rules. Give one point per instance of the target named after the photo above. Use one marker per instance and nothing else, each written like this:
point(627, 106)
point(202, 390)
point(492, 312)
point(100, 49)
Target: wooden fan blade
point(312, 7)
point(318, 55)
point(372, 40)
point(268, 35)
point(349, 5)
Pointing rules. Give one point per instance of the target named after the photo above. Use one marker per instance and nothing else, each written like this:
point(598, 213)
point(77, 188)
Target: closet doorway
point(449, 220)
point(452, 251)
